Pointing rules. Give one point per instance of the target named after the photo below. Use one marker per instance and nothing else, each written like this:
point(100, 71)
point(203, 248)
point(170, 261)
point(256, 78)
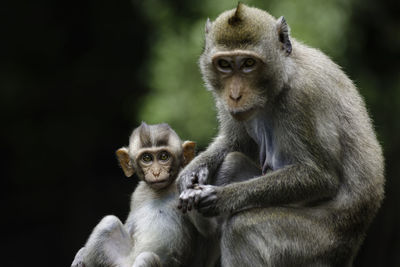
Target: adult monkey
point(319, 178)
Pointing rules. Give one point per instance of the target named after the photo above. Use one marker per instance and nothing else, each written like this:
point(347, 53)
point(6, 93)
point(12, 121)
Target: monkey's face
point(237, 73)
point(157, 167)
point(244, 59)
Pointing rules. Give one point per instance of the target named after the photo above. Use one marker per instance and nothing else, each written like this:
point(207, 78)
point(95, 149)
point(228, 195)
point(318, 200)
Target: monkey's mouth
point(159, 184)
point(159, 181)
point(242, 115)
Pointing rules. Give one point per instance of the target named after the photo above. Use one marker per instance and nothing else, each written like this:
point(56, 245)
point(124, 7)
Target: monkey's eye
point(249, 62)
point(146, 157)
point(224, 64)
point(164, 156)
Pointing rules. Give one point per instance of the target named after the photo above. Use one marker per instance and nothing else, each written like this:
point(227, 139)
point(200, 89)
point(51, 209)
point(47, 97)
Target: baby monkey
point(156, 233)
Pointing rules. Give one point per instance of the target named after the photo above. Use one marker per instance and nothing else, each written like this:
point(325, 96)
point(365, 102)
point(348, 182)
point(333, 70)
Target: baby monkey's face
point(156, 154)
point(156, 166)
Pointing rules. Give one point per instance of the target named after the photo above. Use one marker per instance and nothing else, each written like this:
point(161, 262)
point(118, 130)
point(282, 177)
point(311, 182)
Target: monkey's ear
point(283, 33)
point(125, 161)
point(188, 148)
point(207, 28)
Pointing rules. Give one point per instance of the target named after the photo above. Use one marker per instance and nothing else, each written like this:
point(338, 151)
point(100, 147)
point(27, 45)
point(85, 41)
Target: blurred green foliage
point(176, 92)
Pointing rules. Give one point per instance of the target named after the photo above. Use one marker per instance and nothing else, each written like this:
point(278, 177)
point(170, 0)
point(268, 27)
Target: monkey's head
point(243, 62)
point(156, 154)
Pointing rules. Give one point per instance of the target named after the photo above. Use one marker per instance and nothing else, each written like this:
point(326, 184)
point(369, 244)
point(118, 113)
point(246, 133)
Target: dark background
point(71, 76)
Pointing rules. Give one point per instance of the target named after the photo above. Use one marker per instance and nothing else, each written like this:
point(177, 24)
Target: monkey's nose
point(156, 174)
point(235, 98)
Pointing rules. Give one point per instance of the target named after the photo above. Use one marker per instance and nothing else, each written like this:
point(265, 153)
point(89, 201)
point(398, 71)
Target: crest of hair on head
point(236, 18)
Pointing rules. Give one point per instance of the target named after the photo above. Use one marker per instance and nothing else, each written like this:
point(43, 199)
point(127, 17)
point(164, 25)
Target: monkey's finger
point(184, 205)
point(180, 203)
point(183, 201)
point(191, 197)
point(197, 198)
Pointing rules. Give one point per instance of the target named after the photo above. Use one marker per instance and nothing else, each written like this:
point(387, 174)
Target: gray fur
point(144, 135)
point(320, 175)
point(153, 136)
point(147, 259)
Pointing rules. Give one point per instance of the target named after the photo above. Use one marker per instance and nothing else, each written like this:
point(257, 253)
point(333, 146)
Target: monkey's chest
point(158, 227)
point(263, 134)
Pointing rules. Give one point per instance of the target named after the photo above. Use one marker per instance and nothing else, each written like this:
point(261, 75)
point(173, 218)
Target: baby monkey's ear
point(125, 161)
point(188, 148)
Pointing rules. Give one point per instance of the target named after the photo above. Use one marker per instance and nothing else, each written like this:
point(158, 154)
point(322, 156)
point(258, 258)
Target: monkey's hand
point(203, 197)
point(186, 199)
point(189, 177)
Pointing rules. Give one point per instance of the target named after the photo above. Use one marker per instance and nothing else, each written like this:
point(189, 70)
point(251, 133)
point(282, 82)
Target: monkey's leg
point(79, 260)
point(108, 245)
point(236, 167)
point(278, 237)
point(147, 259)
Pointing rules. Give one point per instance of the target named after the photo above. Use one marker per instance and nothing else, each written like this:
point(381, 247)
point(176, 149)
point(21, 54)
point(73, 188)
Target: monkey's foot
point(79, 259)
point(147, 259)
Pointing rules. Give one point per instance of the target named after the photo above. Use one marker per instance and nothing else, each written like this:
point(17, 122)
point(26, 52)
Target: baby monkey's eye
point(146, 157)
point(222, 63)
point(249, 62)
point(164, 155)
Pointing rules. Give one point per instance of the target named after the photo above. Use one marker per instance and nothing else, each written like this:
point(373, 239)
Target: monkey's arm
point(205, 164)
point(201, 169)
point(291, 184)
point(198, 170)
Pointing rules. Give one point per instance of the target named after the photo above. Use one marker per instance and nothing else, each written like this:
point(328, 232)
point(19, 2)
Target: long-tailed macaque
point(296, 167)
point(156, 233)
